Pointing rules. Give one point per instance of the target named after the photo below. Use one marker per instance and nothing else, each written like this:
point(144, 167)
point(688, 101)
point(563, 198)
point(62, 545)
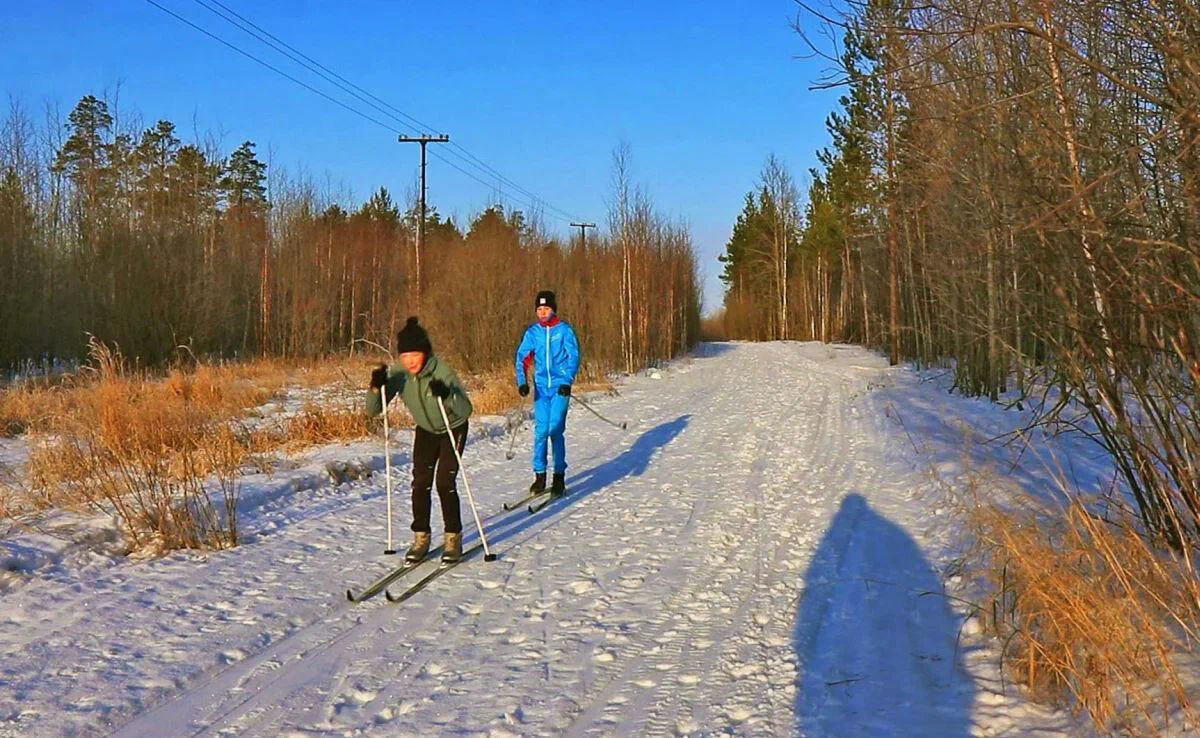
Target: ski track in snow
point(750, 558)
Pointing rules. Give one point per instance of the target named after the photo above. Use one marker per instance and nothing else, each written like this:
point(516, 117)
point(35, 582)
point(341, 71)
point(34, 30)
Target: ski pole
point(387, 470)
point(622, 425)
point(487, 554)
point(513, 443)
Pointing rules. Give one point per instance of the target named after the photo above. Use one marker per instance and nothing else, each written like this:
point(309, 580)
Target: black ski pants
point(432, 451)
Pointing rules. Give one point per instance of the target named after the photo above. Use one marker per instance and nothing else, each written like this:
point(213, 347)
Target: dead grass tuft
point(492, 393)
point(1091, 614)
point(161, 454)
point(315, 425)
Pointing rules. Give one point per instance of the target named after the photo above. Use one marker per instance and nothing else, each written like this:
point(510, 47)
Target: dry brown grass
point(107, 407)
point(164, 452)
point(493, 393)
point(14, 409)
point(158, 454)
point(9, 492)
point(314, 425)
point(49, 405)
point(1090, 614)
point(32, 406)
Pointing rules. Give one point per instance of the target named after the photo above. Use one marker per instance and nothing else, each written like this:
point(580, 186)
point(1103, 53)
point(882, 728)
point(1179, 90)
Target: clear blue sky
point(702, 91)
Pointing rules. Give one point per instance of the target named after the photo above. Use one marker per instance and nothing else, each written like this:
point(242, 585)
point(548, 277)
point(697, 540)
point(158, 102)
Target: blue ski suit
point(552, 351)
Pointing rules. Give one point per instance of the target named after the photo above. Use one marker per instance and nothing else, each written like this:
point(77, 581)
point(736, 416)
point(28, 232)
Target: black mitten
point(379, 376)
point(439, 389)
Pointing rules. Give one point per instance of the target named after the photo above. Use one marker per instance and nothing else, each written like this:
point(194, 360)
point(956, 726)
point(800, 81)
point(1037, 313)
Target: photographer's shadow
point(876, 642)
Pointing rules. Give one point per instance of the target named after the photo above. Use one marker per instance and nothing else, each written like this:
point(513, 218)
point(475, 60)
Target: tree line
point(1013, 189)
point(129, 234)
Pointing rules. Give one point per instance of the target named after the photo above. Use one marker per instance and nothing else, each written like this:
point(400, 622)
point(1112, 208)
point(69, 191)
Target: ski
point(390, 577)
point(424, 582)
point(382, 582)
point(534, 507)
point(518, 503)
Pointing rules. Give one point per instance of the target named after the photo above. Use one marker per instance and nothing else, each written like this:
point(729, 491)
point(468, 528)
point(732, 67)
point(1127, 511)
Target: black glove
point(564, 390)
point(523, 390)
point(439, 389)
point(379, 376)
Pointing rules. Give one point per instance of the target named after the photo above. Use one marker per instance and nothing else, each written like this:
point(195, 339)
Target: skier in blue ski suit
point(550, 349)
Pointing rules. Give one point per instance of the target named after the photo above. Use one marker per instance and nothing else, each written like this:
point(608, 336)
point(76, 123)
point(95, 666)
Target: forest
point(113, 229)
point(1012, 190)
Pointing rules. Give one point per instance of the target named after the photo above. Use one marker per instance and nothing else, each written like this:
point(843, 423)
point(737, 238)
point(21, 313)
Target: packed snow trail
point(741, 560)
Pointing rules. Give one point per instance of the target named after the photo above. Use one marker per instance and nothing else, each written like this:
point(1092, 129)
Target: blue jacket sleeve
point(571, 343)
point(522, 351)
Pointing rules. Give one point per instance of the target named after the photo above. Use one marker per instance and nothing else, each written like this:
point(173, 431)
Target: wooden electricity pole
point(583, 231)
point(423, 140)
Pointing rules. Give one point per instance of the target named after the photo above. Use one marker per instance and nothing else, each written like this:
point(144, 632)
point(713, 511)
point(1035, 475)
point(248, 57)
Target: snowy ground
point(761, 553)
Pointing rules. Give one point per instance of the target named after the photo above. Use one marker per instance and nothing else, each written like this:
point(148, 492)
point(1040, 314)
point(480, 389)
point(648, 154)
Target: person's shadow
point(632, 462)
point(876, 642)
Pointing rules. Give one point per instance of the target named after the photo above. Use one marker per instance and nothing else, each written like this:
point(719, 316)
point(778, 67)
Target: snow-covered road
point(749, 557)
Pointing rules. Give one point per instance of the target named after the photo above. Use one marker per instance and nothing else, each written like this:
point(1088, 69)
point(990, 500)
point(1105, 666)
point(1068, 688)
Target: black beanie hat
point(546, 297)
point(412, 337)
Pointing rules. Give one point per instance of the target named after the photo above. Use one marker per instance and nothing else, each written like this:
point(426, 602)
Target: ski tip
point(350, 595)
point(388, 595)
point(490, 557)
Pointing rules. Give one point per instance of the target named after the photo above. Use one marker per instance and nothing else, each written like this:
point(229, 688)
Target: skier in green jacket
point(421, 380)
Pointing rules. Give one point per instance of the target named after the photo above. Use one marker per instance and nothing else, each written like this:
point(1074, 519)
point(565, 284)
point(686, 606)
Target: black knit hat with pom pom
point(412, 337)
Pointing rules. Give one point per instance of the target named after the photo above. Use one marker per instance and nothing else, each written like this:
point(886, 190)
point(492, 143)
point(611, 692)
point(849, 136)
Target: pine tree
point(758, 259)
point(154, 156)
point(245, 194)
point(380, 208)
point(495, 226)
point(193, 182)
point(84, 152)
point(243, 180)
point(733, 259)
point(441, 232)
point(83, 158)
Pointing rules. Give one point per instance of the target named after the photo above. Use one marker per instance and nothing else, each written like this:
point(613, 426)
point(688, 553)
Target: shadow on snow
point(876, 643)
point(632, 462)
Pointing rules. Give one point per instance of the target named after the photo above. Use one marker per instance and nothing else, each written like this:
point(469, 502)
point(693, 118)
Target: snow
point(761, 553)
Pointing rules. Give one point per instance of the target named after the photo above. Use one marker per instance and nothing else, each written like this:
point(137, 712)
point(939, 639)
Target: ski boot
point(419, 548)
point(539, 484)
point(452, 548)
point(558, 486)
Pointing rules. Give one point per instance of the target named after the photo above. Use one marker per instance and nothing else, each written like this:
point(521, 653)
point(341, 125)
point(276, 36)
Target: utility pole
point(583, 231)
point(423, 140)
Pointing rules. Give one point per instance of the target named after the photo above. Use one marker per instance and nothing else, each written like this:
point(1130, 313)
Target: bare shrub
point(1090, 614)
point(164, 464)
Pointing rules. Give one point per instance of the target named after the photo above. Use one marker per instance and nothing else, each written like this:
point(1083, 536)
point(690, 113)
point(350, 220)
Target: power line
point(272, 68)
point(416, 123)
point(343, 84)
